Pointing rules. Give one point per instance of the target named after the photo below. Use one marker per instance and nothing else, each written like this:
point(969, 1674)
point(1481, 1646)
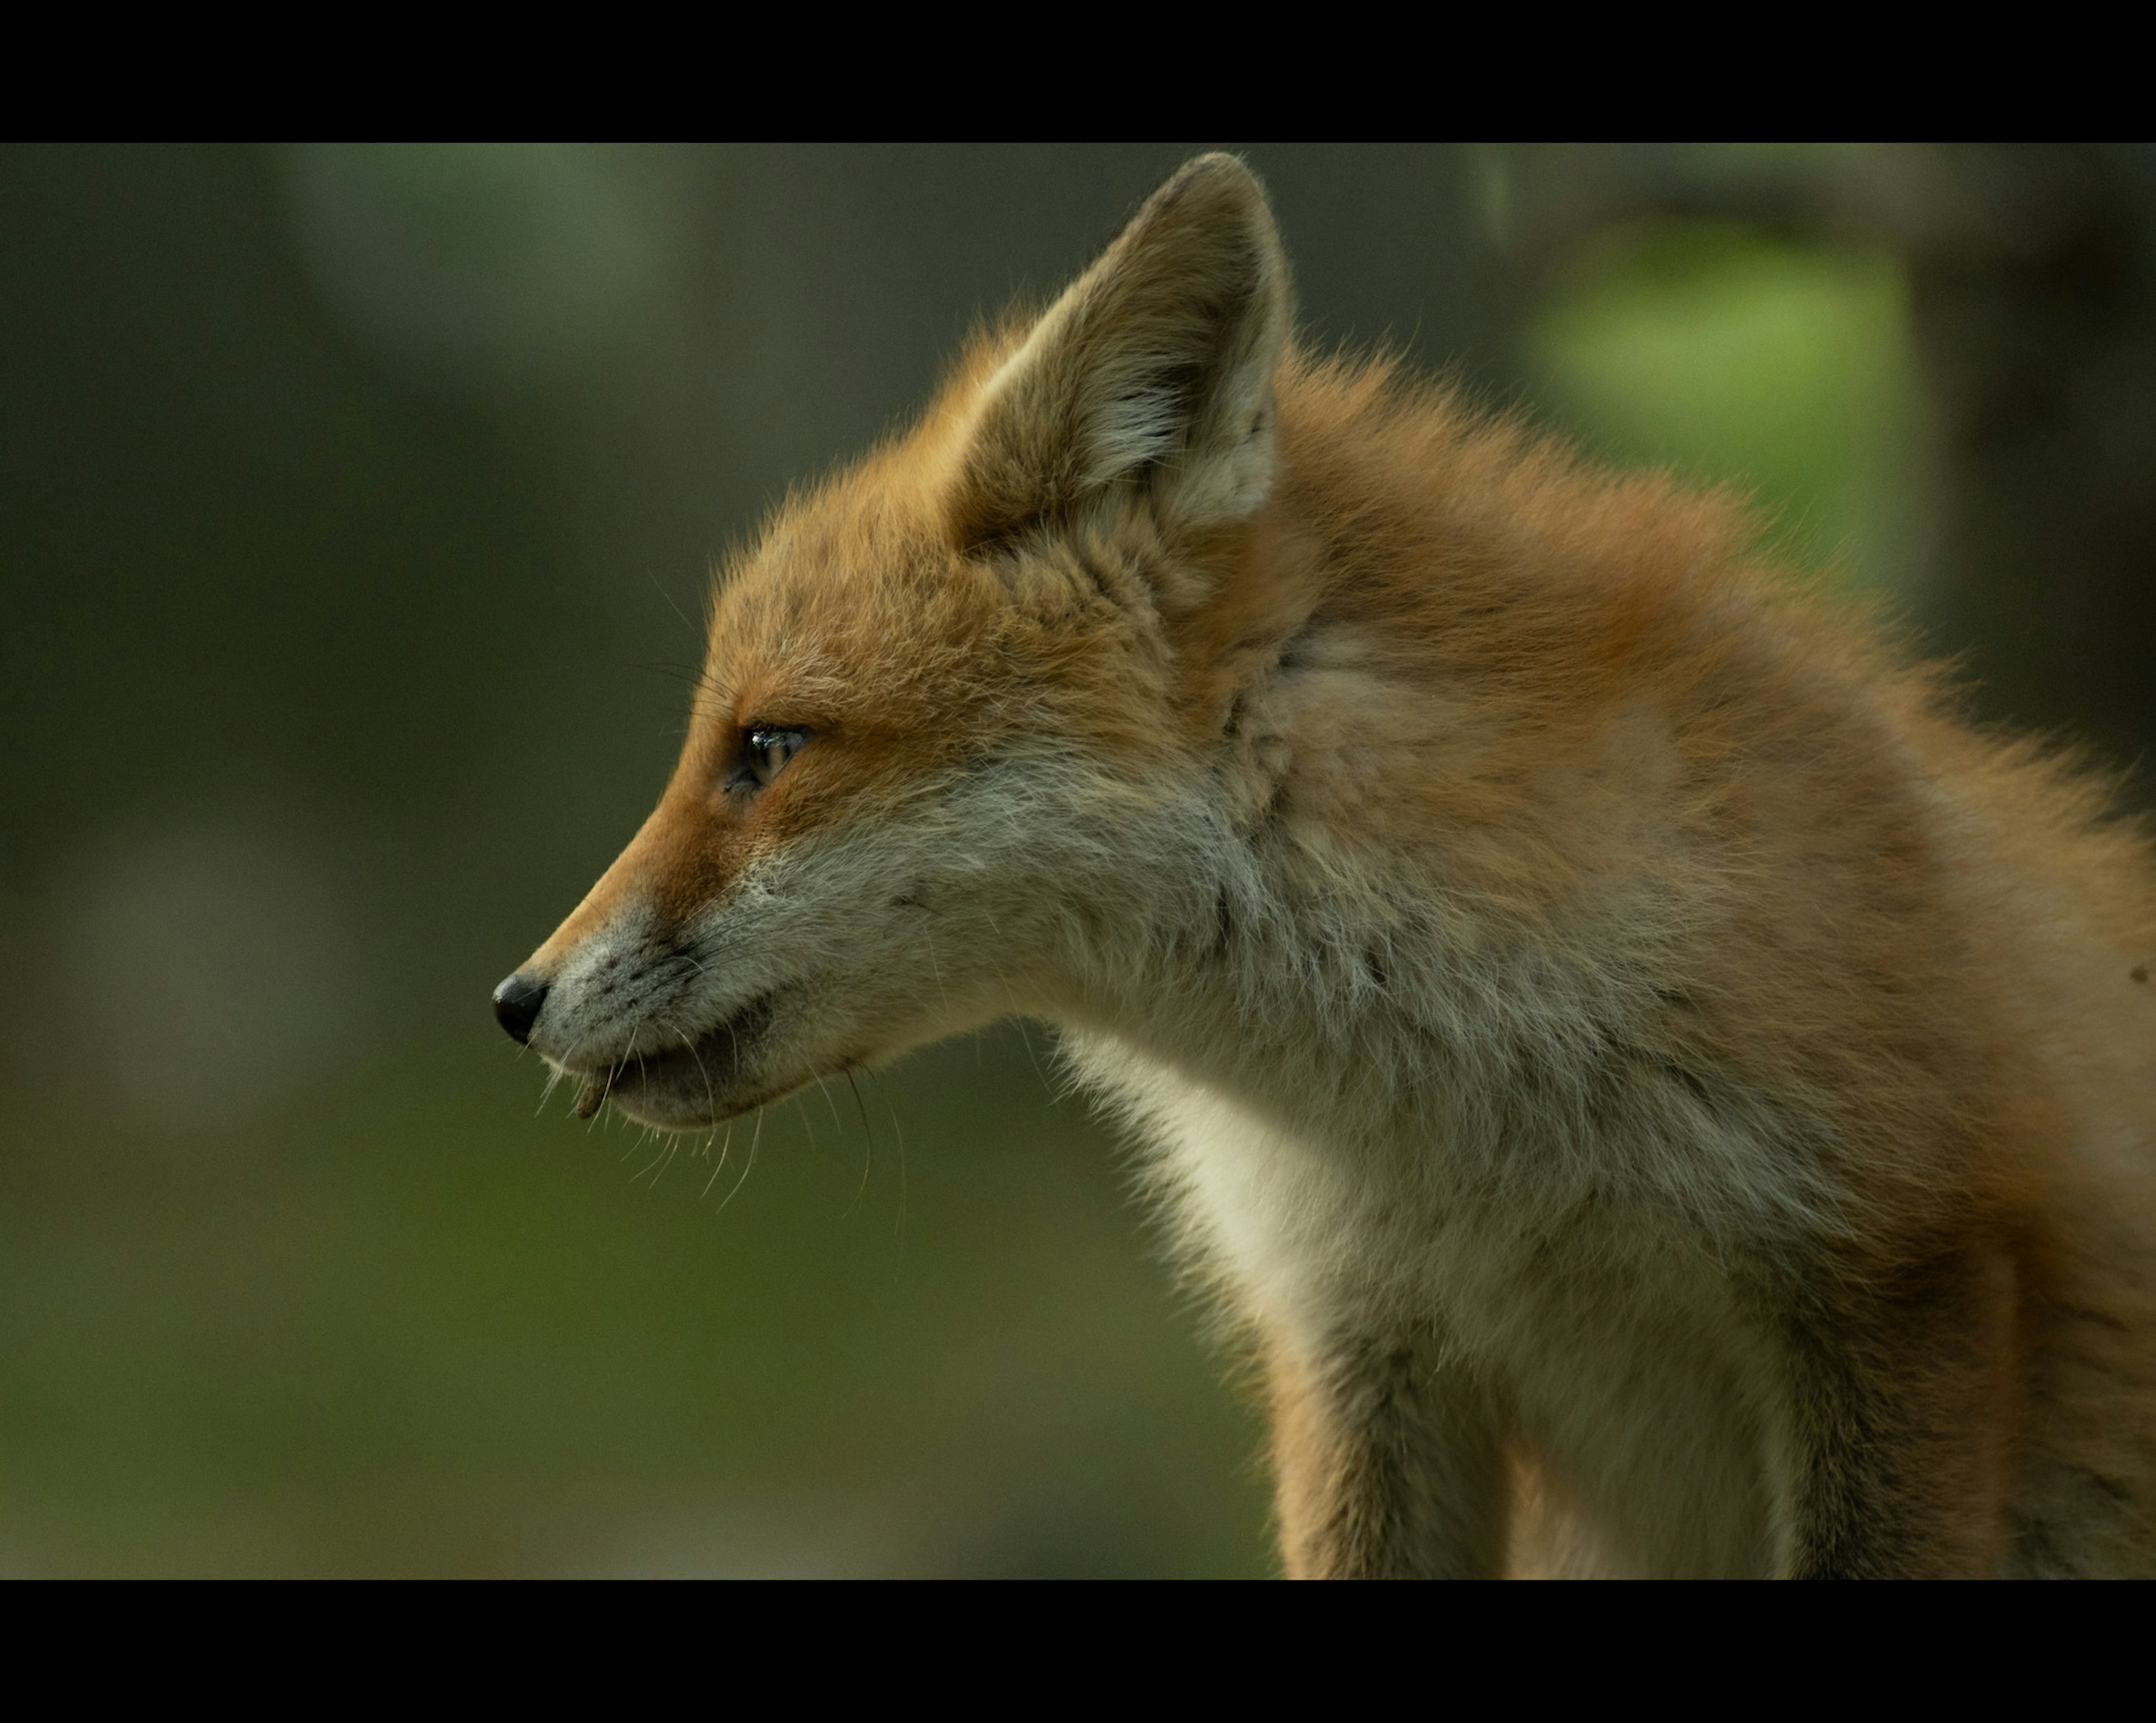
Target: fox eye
point(765, 750)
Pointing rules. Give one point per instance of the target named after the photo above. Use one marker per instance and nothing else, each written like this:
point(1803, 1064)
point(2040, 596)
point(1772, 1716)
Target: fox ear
point(1154, 371)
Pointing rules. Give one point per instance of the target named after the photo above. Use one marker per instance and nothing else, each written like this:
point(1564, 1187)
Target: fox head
point(951, 756)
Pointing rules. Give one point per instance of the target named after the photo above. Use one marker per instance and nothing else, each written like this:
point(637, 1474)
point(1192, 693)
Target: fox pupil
point(769, 748)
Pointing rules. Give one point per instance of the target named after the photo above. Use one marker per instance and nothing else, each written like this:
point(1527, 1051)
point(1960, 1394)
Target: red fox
point(1660, 1094)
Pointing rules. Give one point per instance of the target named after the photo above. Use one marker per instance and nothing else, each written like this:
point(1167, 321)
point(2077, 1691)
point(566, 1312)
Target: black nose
point(516, 1003)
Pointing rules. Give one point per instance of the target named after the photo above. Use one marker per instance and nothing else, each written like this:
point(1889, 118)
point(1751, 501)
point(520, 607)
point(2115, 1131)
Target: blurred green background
point(354, 506)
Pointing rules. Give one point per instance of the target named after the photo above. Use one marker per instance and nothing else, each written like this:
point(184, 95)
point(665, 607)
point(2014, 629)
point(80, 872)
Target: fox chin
point(1656, 1091)
point(705, 1081)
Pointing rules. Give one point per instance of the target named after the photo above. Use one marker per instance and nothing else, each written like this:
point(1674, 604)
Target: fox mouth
point(693, 1084)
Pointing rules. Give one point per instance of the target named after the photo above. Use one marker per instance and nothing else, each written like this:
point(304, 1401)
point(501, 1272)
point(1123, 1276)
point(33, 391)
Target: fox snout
point(517, 1003)
point(640, 1019)
point(719, 965)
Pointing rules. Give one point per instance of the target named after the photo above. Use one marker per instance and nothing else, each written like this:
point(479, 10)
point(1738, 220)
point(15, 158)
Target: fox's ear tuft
point(1154, 371)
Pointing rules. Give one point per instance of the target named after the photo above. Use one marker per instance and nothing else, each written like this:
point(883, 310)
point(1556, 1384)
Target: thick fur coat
point(1661, 1095)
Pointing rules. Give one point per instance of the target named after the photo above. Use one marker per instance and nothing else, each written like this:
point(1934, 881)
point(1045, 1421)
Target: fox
point(1651, 1089)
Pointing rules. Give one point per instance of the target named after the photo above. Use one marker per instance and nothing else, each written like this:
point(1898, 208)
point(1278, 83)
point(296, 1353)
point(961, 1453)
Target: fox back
point(1657, 1093)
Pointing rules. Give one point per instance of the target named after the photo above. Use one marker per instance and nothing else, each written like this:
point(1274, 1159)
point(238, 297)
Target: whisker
point(1047, 1088)
point(753, 1140)
point(868, 1153)
point(824, 1089)
point(645, 1136)
point(711, 1101)
point(669, 598)
point(722, 1164)
point(898, 1131)
point(598, 1106)
point(937, 969)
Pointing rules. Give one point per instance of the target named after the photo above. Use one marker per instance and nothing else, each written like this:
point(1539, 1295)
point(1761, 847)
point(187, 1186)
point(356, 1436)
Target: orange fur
point(1589, 1000)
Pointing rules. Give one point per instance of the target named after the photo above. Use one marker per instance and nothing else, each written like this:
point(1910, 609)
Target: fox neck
point(1190, 951)
point(1181, 928)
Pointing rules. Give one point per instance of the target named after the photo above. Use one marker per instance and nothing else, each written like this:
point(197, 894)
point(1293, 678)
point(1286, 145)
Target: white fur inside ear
point(1136, 429)
point(1230, 480)
point(1214, 463)
point(1156, 368)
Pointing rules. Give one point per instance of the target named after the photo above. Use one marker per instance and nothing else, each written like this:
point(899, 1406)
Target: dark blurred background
point(356, 507)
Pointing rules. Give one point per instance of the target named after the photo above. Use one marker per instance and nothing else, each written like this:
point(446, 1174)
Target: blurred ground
point(355, 508)
point(412, 1328)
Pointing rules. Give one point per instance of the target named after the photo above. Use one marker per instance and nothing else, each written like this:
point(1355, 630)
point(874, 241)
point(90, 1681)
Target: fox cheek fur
point(1657, 1094)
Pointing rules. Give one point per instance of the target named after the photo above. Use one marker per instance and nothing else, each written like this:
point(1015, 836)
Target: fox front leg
point(1903, 1404)
point(1389, 1462)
